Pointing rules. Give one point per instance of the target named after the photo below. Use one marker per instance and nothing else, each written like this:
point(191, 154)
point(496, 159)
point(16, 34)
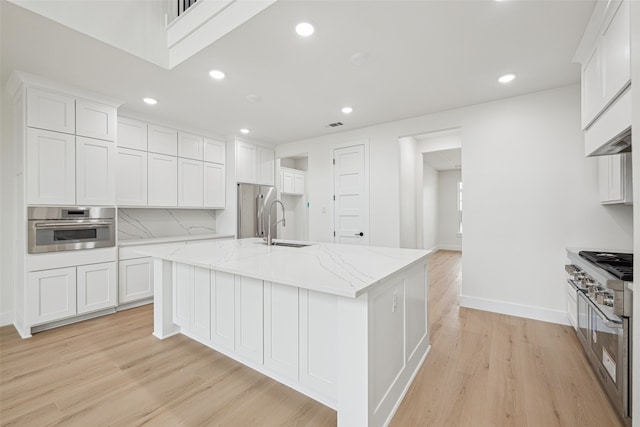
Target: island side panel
point(398, 339)
point(163, 326)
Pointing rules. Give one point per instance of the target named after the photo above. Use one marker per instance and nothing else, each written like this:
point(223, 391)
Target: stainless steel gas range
point(603, 282)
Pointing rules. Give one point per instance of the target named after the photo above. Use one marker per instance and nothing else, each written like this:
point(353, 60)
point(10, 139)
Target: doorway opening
point(431, 190)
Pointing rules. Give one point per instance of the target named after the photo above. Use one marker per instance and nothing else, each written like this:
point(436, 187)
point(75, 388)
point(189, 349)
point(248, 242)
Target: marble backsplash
point(150, 223)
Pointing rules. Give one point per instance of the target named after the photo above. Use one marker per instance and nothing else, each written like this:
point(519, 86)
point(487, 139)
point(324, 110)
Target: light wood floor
point(484, 369)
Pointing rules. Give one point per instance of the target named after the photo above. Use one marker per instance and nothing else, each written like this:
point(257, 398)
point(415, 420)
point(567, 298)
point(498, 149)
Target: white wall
point(529, 193)
point(407, 191)
point(429, 206)
point(448, 237)
point(137, 27)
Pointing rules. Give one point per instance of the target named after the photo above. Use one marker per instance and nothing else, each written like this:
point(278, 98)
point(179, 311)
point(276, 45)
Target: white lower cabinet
point(223, 309)
point(96, 285)
point(135, 279)
point(162, 180)
point(60, 293)
point(281, 329)
point(51, 295)
point(182, 295)
point(201, 313)
point(249, 318)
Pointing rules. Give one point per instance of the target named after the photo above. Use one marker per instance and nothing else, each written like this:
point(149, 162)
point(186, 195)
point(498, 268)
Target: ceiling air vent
point(334, 125)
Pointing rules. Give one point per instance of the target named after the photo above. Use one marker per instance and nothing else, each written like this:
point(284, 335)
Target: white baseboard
point(450, 247)
point(7, 318)
point(518, 310)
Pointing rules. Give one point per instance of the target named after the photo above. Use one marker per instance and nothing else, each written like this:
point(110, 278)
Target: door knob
point(359, 234)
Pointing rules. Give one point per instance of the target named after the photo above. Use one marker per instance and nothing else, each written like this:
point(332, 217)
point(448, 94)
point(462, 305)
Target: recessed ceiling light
point(507, 78)
point(244, 131)
point(304, 29)
point(150, 101)
point(347, 110)
point(216, 74)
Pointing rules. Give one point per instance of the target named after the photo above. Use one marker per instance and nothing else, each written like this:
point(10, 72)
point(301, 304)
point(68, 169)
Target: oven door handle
point(73, 225)
point(608, 322)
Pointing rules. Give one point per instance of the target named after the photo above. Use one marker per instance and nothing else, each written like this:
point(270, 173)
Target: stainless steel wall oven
point(52, 229)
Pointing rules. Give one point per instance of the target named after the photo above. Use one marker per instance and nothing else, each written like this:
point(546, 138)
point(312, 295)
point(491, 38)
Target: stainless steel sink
point(288, 244)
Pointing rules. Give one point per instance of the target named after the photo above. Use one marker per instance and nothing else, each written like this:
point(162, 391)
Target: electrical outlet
point(395, 302)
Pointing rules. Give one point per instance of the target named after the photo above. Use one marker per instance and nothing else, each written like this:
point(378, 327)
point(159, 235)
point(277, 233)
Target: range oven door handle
point(613, 324)
point(74, 225)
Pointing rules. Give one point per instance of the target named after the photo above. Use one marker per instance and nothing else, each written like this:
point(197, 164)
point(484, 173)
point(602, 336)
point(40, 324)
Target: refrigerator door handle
point(259, 215)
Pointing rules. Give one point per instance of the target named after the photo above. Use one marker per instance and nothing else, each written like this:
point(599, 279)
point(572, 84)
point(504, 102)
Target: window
point(460, 207)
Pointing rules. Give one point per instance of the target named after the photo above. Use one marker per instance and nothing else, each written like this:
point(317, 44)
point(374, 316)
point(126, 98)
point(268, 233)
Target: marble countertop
point(173, 239)
point(344, 270)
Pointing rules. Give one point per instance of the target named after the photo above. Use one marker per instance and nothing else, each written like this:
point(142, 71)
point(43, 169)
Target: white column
point(163, 326)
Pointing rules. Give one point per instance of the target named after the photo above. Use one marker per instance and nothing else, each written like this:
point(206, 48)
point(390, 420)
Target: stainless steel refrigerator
point(253, 210)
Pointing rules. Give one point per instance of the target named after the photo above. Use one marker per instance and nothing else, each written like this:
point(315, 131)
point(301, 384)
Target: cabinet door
point(615, 182)
point(95, 172)
point(96, 120)
point(162, 180)
point(51, 168)
point(246, 161)
point(616, 46)
point(51, 295)
point(190, 146)
point(131, 178)
point(287, 182)
point(135, 279)
point(298, 183)
point(281, 329)
point(97, 287)
point(249, 321)
point(162, 140)
point(214, 151)
point(201, 313)
point(223, 309)
point(189, 182)
point(132, 134)
point(50, 110)
point(214, 185)
point(266, 165)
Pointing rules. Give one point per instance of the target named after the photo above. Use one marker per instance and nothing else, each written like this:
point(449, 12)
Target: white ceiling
point(444, 160)
point(423, 56)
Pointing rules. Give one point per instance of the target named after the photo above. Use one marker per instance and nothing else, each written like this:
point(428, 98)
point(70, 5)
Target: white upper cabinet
point(51, 168)
point(266, 166)
point(132, 134)
point(214, 151)
point(190, 146)
point(292, 181)
point(214, 185)
point(254, 164)
point(131, 179)
point(162, 140)
point(51, 111)
point(615, 179)
point(95, 172)
point(189, 183)
point(605, 53)
point(96, 120)
point(162, 180)
point(246, 162)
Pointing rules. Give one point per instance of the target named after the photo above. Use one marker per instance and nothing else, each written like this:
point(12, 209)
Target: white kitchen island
point(345, 325)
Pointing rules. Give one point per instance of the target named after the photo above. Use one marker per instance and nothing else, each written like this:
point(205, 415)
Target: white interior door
point(351, 196)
